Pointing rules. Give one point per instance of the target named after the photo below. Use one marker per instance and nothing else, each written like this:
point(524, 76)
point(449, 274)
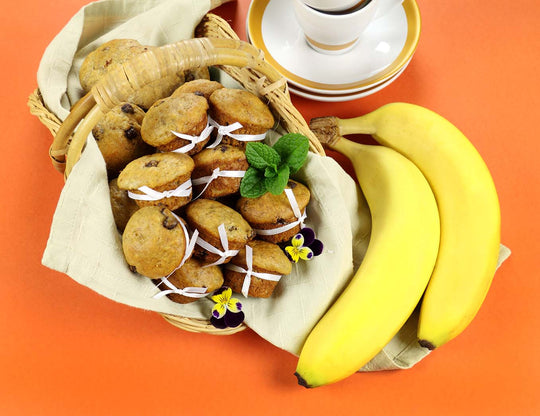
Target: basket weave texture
point(215, 44)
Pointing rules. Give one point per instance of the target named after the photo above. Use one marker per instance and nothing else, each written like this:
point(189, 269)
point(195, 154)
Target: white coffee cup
point(337, 33)
point(334, 5)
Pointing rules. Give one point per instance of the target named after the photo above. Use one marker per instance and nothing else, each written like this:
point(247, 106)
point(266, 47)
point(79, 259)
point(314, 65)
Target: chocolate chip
point(131, 133)
point(108, 62)
point(169, 222)
point(98, 132)
point(132, 268)
point(281, 221)
point(233, 228)
point(223, 148)
point(291, 184)
point(127, 108)
point(151, 164)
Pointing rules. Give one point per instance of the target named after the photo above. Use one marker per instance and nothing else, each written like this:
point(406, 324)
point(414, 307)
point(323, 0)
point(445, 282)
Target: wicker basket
point(215, 44)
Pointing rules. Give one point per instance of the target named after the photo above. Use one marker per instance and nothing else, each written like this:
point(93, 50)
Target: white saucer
point(346, 97)
point(383, 50)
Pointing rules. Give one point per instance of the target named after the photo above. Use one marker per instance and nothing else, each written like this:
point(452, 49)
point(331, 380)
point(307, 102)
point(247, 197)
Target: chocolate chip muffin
point(185, 113)
point(118, 135)
point(208, 217)
point(202, 87)
point(113, 54)
point(229, 105)
point(163, 173)
point(109, 55)
point(270, 212)
point(267, 258)
point(154, 242)
point(193, 274)
point(223, 160)
point(123, 207)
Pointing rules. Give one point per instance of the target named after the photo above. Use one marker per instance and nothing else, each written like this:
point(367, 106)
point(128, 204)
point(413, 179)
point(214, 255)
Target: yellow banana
point(468, 209)
point(392, 276)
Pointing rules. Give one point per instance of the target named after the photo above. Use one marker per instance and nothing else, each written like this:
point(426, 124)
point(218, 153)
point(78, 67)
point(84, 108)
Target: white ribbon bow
point(193, 139)
point(190, 292)
point(190, 245)
point(149, 194)
point(216, 173)
point(296, 210)
point(228, 131)
point(249, 272)
point(225, 253)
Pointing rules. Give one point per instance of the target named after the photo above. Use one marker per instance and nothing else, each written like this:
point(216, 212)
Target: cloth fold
point(84, 243)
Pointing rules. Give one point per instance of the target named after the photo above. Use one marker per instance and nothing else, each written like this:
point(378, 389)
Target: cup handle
point(385, 6)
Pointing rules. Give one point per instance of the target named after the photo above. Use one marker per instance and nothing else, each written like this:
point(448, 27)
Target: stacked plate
point(378, 59)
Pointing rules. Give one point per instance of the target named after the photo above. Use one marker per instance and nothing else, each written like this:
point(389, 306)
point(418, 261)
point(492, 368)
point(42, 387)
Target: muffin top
point(109, 55)
point(270, 208)
point(122, 117)
point(228, 105)
point(232, 157)
point(207, 215)
point(183, 113)
point(266, 256)
point(155, 170)
point(202, 87)
point(153, 242)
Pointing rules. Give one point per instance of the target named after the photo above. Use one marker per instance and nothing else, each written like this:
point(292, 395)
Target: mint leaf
point(252, 184)
point(275, 185)
point(260, 156)
point(270, 172)
point(292, 149)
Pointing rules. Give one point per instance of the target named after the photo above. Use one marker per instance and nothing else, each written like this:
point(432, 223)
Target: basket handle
point(120, 83)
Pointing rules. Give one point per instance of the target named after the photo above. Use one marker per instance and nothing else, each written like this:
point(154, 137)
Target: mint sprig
point(270, 167)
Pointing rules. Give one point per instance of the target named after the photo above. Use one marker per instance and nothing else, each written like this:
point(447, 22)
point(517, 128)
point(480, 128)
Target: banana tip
point(301, 381)
point(426, 344)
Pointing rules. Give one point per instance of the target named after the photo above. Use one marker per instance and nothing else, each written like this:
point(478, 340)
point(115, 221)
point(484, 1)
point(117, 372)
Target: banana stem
point(345, 147)
point(356, 125)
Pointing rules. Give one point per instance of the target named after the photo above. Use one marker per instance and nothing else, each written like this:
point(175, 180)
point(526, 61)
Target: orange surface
point(65, 350)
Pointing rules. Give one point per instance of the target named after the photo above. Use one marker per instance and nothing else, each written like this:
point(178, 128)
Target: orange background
point(66, 350)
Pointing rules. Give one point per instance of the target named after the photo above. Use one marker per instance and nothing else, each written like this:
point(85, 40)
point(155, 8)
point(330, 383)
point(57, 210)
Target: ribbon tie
point(216, 173)
point(190, 292)
point(228, 131)
point(149, 194)
point(300, 217)
point(249, 272)
point(194, 140)
point(223, 254)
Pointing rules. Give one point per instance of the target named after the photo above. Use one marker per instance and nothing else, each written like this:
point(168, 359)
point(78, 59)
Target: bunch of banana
point(458, 270)
point(393, 274)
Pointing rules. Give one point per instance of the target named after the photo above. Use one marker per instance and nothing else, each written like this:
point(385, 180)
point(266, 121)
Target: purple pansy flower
point(227, 312)
point(304, 246)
